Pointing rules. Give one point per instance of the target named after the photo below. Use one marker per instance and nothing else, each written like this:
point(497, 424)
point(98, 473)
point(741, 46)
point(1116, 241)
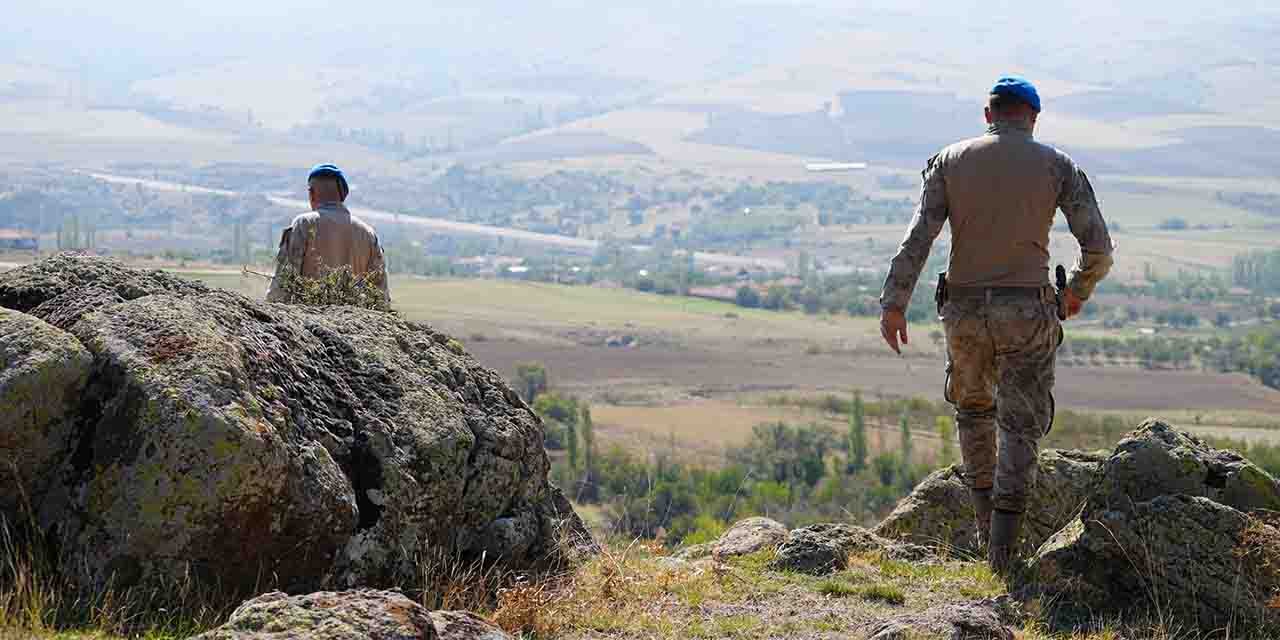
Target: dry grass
point(36, 602)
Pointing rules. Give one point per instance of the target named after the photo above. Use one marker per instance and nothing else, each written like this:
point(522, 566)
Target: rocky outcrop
point(42, 373)
point(939, 512)
point(350, 615)
point(1174, 529)
point(969, 621)
point(825, 548)
point(1157, 460)
point(749, 536)
point(238, 440)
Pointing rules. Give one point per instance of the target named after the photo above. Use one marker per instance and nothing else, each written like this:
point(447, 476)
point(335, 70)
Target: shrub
point(339, 286)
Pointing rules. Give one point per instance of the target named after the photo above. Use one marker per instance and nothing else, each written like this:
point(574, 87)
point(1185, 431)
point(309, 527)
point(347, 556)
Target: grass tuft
point(882, 593)
point(837, 589)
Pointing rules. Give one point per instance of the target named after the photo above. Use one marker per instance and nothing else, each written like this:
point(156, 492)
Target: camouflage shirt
point(999, 192)
point(328, 238)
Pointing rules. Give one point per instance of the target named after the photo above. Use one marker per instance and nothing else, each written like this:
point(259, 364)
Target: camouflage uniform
point(328, 238)
point(999, 193)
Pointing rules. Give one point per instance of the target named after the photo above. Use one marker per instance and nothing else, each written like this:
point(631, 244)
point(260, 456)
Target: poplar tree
point(947, 433)
point(906, 475)
point(857, 436)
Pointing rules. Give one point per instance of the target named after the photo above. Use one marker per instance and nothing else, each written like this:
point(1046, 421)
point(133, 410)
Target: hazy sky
point(133, 39)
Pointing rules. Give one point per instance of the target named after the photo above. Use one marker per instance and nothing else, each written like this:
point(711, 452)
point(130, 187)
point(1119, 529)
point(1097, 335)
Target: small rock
point(673, 564)
point(749, 536)
point(696, 551)
point(349, 615)
point(970, 621)
point(824, 548)
point(464, 625)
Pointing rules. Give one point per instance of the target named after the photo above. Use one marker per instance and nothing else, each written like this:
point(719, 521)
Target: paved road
point(454, 227)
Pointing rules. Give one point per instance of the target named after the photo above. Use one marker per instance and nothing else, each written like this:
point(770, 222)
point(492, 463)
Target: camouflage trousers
point(1000, 371)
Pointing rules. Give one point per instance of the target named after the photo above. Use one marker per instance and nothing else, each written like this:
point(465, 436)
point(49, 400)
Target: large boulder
point(825, 548)
point(939, 512)
point(1175, 529)
point(1157, 460)
point(42, 373)
point(1188, 558)
point(349, 615)
point(246, 442)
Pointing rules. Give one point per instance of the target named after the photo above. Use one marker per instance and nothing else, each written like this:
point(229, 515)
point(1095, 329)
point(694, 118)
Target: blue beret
point(329, 171)
point(1017, 87)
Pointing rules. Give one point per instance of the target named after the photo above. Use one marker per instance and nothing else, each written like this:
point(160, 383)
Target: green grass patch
point(882, 593)
point(837, 589)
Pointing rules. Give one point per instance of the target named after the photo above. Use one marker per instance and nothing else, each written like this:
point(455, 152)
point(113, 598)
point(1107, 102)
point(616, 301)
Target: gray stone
point(43, 371)
point(1188, 558)
point(1174, 528)
point(323, 447)
point(696, 551)
point(464, 625)
point(939, 512)
point(349, 615)
point(1157, 460)
point(968, 621)
point(825, 548)
point(749, 536)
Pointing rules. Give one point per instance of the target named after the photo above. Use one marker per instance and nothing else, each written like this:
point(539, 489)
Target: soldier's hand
point(893, 325)
point(1073, 303)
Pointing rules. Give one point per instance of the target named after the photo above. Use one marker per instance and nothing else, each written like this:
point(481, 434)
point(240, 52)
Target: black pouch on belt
point(940, 295)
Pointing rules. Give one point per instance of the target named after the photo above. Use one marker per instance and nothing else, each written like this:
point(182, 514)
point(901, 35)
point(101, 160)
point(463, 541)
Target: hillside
point(352, 433)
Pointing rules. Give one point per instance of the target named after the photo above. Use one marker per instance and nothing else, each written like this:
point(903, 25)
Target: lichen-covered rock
point(939, 512)
point(825, 548)
point(967, 621)
point(463, 625)
point(749, 536)
point(1173, 528)
point(34, 285)
point(349, 615)
point(1157, 460)
point(1204, 564)
point(42, 373)
point(239, 440)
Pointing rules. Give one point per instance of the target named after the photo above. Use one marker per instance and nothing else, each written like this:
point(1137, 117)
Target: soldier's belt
point(997, 293)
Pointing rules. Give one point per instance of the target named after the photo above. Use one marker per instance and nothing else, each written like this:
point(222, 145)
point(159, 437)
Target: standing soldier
point(328, 237)
point(1001, 316)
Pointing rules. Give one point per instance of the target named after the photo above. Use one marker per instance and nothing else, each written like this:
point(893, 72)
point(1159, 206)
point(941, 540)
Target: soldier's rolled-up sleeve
point(927, 223)
point(1079, 203)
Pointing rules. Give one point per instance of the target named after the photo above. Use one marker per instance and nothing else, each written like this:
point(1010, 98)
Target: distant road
point(453, 227)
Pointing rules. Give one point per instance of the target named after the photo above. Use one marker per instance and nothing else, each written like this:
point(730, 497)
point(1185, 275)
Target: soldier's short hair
point(1004, 103)
point(330, 184)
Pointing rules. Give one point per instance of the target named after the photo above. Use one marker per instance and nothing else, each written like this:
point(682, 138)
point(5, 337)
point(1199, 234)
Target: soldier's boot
point(1001, 551)
point(982, 507)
